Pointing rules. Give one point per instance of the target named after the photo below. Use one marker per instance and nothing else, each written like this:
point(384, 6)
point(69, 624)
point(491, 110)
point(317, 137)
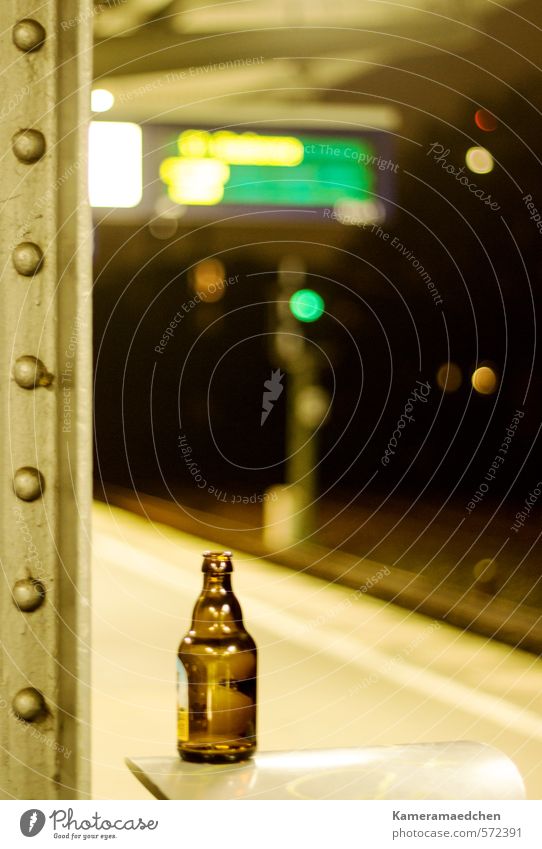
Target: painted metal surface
point(45, 385)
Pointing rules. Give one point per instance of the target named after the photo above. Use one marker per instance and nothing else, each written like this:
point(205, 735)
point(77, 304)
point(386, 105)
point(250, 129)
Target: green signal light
point(306, 305)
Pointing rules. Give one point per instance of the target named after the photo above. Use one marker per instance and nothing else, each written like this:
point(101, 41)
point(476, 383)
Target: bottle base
point(209, 755)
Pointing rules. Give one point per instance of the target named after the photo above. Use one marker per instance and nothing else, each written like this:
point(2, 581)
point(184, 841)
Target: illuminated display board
point(249, 168)
point(247, 176)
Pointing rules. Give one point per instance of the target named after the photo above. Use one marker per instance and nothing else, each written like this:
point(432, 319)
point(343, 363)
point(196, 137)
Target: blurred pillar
point(45, 375)
point(292, 517)
point(301, 444)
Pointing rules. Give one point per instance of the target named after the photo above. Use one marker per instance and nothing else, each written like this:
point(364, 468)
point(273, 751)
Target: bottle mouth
point(218, 555)
point(217, 561)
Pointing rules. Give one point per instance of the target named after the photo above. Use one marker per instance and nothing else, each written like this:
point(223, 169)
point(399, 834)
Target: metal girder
point(45, 384)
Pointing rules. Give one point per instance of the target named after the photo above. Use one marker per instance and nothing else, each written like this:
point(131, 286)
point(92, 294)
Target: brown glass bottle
point(216, 674)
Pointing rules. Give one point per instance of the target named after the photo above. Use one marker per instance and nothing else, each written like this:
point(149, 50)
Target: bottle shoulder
point(217, 605)
point(195, 642)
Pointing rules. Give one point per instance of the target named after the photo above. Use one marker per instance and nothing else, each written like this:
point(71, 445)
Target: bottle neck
point(217, 583)
point(217, 610)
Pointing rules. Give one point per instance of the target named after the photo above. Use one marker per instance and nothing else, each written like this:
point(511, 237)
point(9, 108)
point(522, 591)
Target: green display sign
point(224, 167)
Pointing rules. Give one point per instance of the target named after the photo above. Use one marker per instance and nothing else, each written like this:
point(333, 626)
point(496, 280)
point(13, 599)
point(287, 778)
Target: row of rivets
point(28, 484)
point(27, 257)
point(28, 146)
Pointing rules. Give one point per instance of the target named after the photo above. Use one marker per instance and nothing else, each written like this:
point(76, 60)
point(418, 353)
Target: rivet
point(28, 35)
point(28, 483)
point(28, 145)
point(29, 372)
point(28, 704)
point(27, 258)
point(28, 594)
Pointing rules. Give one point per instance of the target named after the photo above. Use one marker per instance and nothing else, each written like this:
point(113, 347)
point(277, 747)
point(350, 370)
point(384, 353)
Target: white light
point(115, 175)
point(101, 100)
point(318, 759)
point(359, 212)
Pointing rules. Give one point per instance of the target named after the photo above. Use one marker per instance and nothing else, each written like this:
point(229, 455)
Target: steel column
point(45, 385)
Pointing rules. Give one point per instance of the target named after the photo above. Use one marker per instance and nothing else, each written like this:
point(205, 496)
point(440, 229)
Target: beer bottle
point(216, 673)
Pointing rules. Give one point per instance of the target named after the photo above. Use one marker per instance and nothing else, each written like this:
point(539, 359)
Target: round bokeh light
point(485, 380)
point(101, 100)
point(479, 160)
point(306, 305)
point(449, 377)
point(485, 121)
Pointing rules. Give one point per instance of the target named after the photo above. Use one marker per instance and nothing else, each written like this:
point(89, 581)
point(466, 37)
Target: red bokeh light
point(485, 121)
